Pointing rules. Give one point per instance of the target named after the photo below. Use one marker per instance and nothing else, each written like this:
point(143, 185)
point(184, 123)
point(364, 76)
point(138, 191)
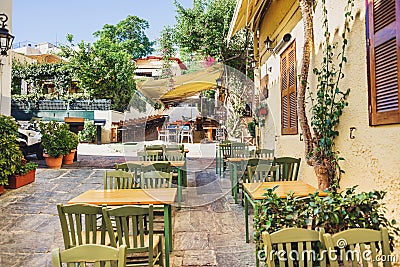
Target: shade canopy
point(247, 13)
point(178, 88)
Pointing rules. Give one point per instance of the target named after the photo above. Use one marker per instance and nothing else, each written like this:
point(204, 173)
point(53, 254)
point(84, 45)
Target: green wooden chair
point(133, 168)
point(80, 225)
point(119, 179)
point(226, 152)
point(156, 179)
point(149, 155)
point(352, 245)
point(131, 231)
point(261, 172)
point(158, 166)
point(288, 168)
point(94, 255)
point(265, 153)
point(294, 247)
point(174, 156)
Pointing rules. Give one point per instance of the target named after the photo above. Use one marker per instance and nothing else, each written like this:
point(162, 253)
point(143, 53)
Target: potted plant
point(72, 144)
point(11, 155)
point(54, 142)
point(24, 175)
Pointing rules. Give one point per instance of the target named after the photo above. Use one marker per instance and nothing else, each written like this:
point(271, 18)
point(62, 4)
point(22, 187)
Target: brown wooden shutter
point(288, 91)
point(384, 61)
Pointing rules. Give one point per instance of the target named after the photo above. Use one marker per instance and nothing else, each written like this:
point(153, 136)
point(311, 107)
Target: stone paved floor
point(208, 230)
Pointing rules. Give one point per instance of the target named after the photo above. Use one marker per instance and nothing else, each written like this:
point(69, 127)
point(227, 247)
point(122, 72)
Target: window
point(288, 91)
point(383, 61)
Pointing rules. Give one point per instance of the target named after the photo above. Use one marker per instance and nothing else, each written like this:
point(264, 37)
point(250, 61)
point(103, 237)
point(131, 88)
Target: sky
point(50, 21)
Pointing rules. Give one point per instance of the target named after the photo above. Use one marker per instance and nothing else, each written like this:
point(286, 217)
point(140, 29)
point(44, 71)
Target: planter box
point(101, 104)
point(52, 105)
point(16, 181)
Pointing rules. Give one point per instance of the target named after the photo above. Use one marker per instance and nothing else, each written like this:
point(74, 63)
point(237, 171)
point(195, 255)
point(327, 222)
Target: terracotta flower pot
point(69, 158)
point(52, 162)
point(1, 189)
point(16, 181)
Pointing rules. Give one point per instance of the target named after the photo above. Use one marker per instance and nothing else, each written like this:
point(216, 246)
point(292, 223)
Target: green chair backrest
point(265, 153)
point(174, 147)
point(131, 229)
point(226, 150)
point(133, 168)
point(174, 156)
point(149, 155)
point(156, 179)
point(119, 179)
point(288, 168)
point(240, 153)
point(94, 255)
point(79, 224)
point(157, 166)
point(294, 247)
point(354, 244)
point(259, 173)
point(153, 147)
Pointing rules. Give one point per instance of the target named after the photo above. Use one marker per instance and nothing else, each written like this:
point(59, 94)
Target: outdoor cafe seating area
point(134, 213)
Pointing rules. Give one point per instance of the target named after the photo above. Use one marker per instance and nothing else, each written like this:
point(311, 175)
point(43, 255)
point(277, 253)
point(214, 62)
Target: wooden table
point(233, 170)
point(180, 166)
point(254, 192)
point(161, 196)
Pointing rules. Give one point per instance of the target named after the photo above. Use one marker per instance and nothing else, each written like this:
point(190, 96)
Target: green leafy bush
point(11, 155)
point(72, 140)
point(88, 133)
point(25, 168)
point(335, 212)
point(55, 138)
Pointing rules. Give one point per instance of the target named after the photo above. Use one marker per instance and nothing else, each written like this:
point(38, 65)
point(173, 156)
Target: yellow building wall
point(372, 158)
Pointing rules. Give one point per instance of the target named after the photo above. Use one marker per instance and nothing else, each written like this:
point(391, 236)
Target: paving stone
point(191, 241)
point(194, 258)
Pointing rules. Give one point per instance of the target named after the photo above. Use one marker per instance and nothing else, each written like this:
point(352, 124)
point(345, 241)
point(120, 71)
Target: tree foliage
point(105, 69)
point(129, 34)
point(203, 29)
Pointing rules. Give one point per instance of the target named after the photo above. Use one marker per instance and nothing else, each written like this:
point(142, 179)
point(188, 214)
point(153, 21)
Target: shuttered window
point(384, 61)
point(288, 91)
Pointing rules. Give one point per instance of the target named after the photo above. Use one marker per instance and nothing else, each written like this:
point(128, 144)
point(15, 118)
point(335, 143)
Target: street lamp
point(6, 39)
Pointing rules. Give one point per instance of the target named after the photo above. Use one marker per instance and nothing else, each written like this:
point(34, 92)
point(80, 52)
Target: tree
point(327, 103)
point(105, 69)
point(129, 33)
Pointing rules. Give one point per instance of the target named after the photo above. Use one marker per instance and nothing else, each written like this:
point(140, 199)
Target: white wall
point(5, 65)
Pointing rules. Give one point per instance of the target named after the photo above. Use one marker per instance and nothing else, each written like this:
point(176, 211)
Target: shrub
point(88, 134)
point(335, 212)
point(11, 155)
point(55, 137)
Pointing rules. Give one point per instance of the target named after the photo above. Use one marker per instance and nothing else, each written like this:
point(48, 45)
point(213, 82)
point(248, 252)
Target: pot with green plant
point(54, 142)
point(24, 175)
point(11, 155)
point(72, 143)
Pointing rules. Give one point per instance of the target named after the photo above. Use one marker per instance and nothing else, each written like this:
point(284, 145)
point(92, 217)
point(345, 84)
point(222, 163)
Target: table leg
point(235, 183)
point(167, 233)
point(246, 216)
point(179, 187)
point(216, 159)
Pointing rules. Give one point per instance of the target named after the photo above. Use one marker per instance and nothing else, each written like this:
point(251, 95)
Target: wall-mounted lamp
point(219, 82)
point(268, 44)
point(6, 39)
